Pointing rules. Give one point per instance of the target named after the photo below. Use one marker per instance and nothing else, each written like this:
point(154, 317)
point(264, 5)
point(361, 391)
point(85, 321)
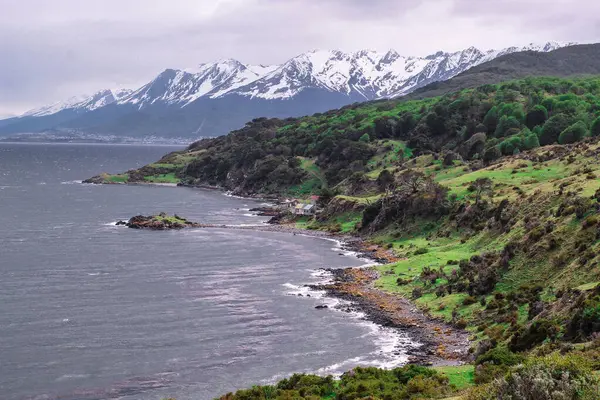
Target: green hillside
point(269, 156)
point(488, 197)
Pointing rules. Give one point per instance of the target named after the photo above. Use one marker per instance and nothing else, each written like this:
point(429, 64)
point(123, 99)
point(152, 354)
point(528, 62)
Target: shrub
point(461, 323)
point(553, 377)
point(537, 116)
point(500, 356)
point(402, 282)
point(467, 301)
point(573, 133)
point(595, 129)
point(534, 334)
point(505, 124)
point(553, 128)
point(417, 293)
point(422, 250)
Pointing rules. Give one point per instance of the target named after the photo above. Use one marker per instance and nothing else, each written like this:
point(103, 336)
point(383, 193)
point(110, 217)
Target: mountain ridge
point(177, 102)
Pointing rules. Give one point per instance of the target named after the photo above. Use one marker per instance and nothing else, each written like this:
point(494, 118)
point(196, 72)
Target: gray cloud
point(50, 50)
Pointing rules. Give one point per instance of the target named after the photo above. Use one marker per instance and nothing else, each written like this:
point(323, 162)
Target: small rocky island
point(159, 222)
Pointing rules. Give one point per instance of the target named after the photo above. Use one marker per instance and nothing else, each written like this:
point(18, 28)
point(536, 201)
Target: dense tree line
point(483, 123)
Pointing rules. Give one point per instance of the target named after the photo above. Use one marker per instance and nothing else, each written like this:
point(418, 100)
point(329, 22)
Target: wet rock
point(159, 222)
point(321, 306)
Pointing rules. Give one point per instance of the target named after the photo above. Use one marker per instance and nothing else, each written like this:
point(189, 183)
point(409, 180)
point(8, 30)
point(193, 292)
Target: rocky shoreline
point(442, 344)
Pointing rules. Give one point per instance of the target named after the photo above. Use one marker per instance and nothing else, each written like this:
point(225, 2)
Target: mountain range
point(214, 98)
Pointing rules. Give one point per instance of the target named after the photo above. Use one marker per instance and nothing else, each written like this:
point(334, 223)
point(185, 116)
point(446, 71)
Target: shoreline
point(441, 343)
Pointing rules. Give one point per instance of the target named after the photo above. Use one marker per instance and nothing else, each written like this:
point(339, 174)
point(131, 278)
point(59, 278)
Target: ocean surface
point(89, 310)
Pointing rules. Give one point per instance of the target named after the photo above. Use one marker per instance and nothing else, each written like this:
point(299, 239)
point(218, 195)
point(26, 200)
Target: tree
point(480, 187)
point(385, 180)
point(491, 119)
point(435, 123)
point(530, 139)
point(573, 134)
point(411, 181)
point(511, 144)
point(595, 131)
point(475, 145)
point(491, 154)
point(365, 138)
point(505, 124)
point(536, 116)
point(553, 128)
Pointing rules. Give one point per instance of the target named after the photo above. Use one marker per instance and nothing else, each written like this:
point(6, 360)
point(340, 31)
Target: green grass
point(169, 218)
point(588, 286)
point(348, 221)
point(164, 178)
point(166, 166)
point(121, 178)
point(399, 151)
point(361, 200)
point(461, 376)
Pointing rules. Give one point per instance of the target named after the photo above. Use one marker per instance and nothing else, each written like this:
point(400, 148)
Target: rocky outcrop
point(97, 180)
point(159, 222)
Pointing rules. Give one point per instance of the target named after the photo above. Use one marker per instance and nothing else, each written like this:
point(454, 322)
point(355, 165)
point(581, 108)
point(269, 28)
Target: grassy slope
point(531, 187)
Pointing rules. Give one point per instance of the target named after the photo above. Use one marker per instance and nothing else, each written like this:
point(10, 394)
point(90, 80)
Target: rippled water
point(89, 310)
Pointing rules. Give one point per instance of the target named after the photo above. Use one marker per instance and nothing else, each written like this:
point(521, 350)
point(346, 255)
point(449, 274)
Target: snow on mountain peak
point(364, 74)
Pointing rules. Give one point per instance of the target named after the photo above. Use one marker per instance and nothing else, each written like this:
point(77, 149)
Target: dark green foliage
point(410, 382)
point(536, 116)
point(553, 128)
point(595, 129)
point(553, 377)
point(385, 180)
point(500, 356)
point(491, 154)
point(529, 140)
point(505, 124)
point(495, 363)
point(585, 320)
point(302, 155)
point(539, 331)
point(508, 146)
point(573, 134)
point(490, 121)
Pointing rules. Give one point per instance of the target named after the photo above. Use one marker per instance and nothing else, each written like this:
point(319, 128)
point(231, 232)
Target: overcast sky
point(53, 49)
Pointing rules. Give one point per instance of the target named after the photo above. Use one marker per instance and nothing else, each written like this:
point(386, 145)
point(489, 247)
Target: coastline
point(441, 343)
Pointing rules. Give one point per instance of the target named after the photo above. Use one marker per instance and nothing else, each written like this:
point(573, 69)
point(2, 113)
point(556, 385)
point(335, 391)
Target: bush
point(530, 140)
point(500, 356)
point(537, 116)
point(573, 134)
point(420, 251)
point(506, 124)
point(538, 332)
point(467, 301)
point(553, 377)
point(595, 130)
point(553, 128)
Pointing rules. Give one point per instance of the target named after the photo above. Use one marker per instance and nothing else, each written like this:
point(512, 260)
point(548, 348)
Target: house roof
point(308, 207)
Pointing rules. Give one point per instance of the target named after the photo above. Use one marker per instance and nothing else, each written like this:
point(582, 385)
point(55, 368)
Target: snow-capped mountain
point(227, 93)
point(365, 74)
point(82, 103)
